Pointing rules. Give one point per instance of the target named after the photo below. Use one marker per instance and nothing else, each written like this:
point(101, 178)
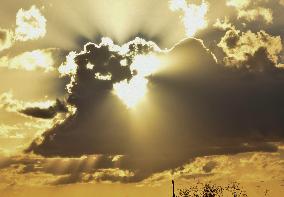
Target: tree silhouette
point(212, 190)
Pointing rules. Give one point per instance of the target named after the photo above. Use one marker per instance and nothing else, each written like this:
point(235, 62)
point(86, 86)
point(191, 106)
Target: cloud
point(193, 15)
point(69, 179)
point(254, 14)
point(32, 60)
point(10, 132)
point(253, 10)
point(85, 88)
point(229, 16)
point(238, 3)
point(242, 109)
point(190, 90)
point(46, 109)
point(30, 24)
point(6, 39)
point(223, 24)
point(94, 168)
point(11, 168)
point(12, 105)
point(265, 166)
point(195, 106)
point(255, 51)
point(188, 56)
point(102, 66)
point(112, 175)
point(45, 113)
point(125, 169)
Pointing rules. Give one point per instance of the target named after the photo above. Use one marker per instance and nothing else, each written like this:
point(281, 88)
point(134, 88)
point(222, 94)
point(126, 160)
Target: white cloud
point(30, 24)
point(32, 60)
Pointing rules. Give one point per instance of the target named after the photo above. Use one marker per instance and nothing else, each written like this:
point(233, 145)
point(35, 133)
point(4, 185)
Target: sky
point(119, 97)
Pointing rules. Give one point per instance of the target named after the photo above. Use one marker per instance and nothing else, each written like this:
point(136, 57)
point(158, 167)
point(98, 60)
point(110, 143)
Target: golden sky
point(119, 97)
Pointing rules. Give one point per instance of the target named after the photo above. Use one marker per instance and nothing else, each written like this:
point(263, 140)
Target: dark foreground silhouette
point(233, 189)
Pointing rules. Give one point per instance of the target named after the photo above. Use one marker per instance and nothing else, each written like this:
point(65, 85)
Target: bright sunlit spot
point(132, 92)
point(194, 15)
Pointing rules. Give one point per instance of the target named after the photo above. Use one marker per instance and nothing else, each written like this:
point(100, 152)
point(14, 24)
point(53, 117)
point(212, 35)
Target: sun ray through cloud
point(141, 98)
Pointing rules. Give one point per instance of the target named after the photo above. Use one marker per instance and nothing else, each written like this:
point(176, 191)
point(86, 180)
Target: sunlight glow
point(132, 92)
point(145, 65)
point(193, 15)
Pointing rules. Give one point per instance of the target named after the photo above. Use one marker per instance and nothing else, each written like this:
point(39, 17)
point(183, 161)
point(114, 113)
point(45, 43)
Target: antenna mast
point(173, 183)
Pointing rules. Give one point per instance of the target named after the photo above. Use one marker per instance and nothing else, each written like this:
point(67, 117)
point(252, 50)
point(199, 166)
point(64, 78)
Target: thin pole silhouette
point(173, 183)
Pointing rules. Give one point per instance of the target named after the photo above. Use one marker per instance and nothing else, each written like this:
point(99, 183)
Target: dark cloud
point(95, 103)
point(201, 108)
point(190, 56)
point(45, 113)
point(259, 61)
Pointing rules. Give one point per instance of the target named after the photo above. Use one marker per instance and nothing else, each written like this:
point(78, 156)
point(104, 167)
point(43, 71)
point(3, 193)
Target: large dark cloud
point(95, 104)
point(198, 108)
point(223, 107)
